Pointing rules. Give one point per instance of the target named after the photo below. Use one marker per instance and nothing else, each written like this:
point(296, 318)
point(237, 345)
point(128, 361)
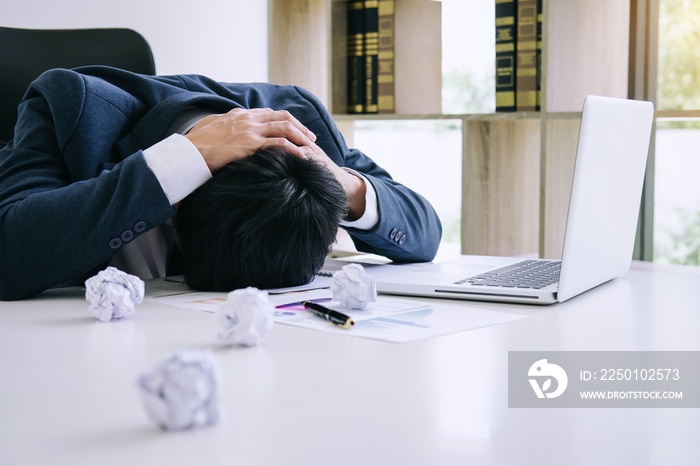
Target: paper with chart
point(397, 320)
point(390, 319)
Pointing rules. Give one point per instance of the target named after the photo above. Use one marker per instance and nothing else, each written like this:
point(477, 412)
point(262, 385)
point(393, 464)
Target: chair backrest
point(26, 53)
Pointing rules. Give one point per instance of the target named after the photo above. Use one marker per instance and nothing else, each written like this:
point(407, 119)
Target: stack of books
point(370, 56)
point(393, 62)
point(518, 55)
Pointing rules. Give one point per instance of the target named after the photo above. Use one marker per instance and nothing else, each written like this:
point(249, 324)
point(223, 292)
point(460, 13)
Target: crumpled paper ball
point(246, 317)
point(353, 287)
point(112, 294)
point(183, 392)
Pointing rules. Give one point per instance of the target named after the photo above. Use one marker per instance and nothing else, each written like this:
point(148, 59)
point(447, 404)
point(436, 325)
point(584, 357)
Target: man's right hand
point(240, 133)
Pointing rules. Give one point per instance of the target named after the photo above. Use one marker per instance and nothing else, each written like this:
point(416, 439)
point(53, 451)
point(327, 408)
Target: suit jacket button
point(139, 226)
point(397, 238)
point(393, 232)
point(114, 243)
point(126, 235)
point(402, 239)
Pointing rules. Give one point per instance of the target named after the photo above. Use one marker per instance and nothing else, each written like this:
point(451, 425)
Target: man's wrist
point(355, 189)
point(178, 166)
point(368, 216)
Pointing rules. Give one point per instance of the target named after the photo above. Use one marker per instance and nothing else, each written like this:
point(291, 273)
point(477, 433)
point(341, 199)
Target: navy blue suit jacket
point(74, 177)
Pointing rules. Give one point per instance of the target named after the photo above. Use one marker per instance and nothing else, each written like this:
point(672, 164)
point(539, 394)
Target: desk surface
point(68, 391)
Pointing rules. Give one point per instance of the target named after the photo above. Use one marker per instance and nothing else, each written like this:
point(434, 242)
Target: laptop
point(611, 159)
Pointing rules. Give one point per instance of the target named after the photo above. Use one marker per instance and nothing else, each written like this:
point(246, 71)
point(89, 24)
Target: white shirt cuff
point(371, 215)
point(178, 165)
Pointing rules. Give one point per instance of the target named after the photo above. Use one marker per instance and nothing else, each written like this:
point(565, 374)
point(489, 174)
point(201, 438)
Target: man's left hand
point(353, 185)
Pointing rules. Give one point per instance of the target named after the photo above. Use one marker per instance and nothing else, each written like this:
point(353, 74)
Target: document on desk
point(375, 266)
point(391, 319)
point(178, 294)
point(397, 320)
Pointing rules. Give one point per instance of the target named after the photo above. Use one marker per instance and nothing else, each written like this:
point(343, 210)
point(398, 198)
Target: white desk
point(68, 391)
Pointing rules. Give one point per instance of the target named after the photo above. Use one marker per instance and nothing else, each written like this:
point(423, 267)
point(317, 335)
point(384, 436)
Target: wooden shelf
point(585, 51)
point(441, 116)
point(678, 114)
point(417, 57)
point(500, 186)
point(516, 167)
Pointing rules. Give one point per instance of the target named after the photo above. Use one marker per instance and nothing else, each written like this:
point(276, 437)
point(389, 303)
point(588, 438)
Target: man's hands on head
point(241, 132)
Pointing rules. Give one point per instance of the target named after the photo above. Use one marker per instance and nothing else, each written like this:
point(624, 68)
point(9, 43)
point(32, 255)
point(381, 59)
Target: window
point(676, 229)
point(425, 155)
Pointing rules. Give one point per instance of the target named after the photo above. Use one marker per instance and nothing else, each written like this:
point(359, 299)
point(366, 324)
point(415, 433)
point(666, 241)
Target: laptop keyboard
point(535, 274)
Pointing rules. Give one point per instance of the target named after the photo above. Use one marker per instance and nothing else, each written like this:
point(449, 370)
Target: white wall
point(223, 39)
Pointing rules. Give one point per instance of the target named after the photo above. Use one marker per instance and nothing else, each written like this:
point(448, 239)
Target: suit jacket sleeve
point(409, 229)
point(58, 224)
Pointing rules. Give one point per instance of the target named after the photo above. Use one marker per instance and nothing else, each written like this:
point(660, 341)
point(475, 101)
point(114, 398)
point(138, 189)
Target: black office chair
point(26, 53)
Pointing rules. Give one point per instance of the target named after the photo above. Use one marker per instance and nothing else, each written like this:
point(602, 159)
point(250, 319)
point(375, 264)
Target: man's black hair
point(268, 221)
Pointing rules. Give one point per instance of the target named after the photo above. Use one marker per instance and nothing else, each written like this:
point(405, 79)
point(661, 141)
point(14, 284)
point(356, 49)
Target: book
point(413, 69)
point(526, 56)
point(385, 58)
point(371, 54)
point(505, 55)
point(356, 64)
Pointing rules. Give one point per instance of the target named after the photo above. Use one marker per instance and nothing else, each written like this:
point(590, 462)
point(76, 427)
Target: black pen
point(335, 317)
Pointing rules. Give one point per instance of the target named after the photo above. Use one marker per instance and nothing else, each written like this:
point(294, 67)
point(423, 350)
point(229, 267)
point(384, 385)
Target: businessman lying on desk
point(256, 178)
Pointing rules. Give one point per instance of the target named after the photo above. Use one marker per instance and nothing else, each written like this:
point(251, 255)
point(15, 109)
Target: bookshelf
point(516, 166)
